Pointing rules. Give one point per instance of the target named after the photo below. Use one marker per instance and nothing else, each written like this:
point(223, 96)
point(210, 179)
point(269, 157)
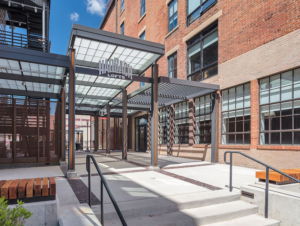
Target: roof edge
point(112, 3)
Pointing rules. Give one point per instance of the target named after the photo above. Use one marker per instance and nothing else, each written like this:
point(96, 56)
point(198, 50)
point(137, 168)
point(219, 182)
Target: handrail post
point(230, 177)
point(267, 193)
point(89, 178)
point(102, 203)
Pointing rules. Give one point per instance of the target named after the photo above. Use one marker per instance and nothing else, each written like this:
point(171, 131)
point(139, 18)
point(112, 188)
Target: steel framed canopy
point(170, 91)
point(32, 73)
point(91, 46)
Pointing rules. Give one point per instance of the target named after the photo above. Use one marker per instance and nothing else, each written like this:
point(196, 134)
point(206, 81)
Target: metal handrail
point(103, 182)
point(267, 175)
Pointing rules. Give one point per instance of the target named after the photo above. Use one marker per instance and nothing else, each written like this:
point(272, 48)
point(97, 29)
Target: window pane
point(239, 139)
point(287, 122)
point(286, 138)
point(225, 100)
point(296, 137)
point(275, 138)
point(264, 138)
point(286, 93)
point(297, 75)
point(210, 72)
point(247, 126)
point(264, 97)
point(274, 81)
point(297, 107)
point(239, 95)
point(274, 95)
point(286, 108)
point(275, 123)
point(192, 5)
point(246, 138)
point(194, 58)
point(247, 95)
point(287, 78)
point(297, 90)
point(210, 51)
point(264, 84)
point(231, 139)
point(297, 122)
point(239, 126)
point(274, 110)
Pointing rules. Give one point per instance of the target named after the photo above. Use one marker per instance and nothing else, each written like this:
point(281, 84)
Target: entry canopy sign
point(115, 68)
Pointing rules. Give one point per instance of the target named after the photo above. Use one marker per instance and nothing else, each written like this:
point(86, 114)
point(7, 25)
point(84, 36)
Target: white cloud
point(96, 7)
point(74, 16)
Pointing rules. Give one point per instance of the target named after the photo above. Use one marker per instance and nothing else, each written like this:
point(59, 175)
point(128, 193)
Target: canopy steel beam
point(101, 85)
point(29, 93)
point(26, 78)
point(95, 72)
point(187, 83)
point(38, 57)
point(154, 116)
point(115, 107)
point(124, 125)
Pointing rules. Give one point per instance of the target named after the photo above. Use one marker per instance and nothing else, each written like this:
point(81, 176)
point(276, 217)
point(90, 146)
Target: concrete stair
point(202, 208)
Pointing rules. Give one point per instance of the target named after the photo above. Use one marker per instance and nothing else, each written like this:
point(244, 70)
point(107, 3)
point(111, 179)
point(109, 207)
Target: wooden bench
point(28, 190)
point(278, 178)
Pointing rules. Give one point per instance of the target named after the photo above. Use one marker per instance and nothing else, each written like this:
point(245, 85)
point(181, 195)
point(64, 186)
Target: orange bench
point(28, 190)
point(278, 178)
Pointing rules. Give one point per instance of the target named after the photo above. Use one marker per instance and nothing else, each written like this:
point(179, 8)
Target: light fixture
point(35, 9)
point(9, 3)
point(24, 83)
point(20, 24)
point(50, 86)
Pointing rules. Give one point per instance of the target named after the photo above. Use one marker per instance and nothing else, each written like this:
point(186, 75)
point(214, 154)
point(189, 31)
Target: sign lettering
point(115, 68)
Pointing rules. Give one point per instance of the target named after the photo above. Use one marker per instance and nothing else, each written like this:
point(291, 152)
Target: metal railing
point(103, 182)
point(267, 175)
point(33, 42)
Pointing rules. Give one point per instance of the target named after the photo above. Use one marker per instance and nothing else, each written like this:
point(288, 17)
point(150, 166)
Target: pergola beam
point(29, 93)
point(101, 85)
point(26, 78)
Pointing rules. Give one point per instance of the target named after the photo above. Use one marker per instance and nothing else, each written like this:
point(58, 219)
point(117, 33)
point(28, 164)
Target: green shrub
point(15, 216)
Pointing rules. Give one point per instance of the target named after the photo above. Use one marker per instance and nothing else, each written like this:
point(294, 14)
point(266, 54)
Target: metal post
point(107, 130)
point(154, 115)
point(96, 131)
point(87, 136)
point(43, 26)
point(63, 125)
point(230, 174)
point(71, 163)
point(267, 193)
point(213, 127)
point(124, 125)
point(89, 178)
point(14, 138)
point(38, 131)
point(102, 203)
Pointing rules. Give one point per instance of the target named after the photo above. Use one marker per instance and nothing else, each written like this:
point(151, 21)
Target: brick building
point(249, 48)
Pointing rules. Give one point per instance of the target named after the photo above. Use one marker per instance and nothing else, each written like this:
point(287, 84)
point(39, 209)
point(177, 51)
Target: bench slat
point(4, 188)
point(37, 187)
point(2, 182)
point(45, 187)
point(13, 189)
point(29, 188)
point(21, 189)
point(52, 186)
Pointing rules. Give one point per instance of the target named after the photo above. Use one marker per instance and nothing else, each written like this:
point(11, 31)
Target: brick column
point(254, 114)
point(191, 122)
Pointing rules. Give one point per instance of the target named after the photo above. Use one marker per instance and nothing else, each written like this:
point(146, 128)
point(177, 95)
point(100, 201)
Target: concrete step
point(248, 221)
point(193, 217)
point(159, 205)
point(77, 215)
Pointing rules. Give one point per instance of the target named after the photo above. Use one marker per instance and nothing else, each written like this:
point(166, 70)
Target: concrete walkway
point(132, 182)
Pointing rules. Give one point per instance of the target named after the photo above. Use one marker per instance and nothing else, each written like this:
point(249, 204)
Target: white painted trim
point(122, 21)
point(141, 31)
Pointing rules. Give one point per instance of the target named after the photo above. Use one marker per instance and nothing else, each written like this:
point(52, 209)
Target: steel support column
point(213, 127)
point(124, 125)
point(71, 164)
point(96, 131)
point(168, 130)
point(63, 125)
point(154, 116)
point(107, 130)
point(149, 132)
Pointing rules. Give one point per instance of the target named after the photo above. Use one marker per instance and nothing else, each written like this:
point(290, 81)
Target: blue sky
point(66, 12)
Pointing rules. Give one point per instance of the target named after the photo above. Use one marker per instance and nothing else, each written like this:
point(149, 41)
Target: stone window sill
point(279, 147)
point(171, 32)
point(201, 146)
point(243, 147)
point(122, 12)
point(142, 17)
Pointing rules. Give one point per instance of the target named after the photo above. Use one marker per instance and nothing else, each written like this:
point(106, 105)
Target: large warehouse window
point(182, 123)
point(163, 126)
point(236, 119)
point(172, 15)
point(280, 109)
point(172, 65)
point(197, 7)
point(203, 110)
point(203, 54)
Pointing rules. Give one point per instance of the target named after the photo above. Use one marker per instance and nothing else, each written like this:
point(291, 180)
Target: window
point(142, 83)
point(173, 66)
point(203, 110)
point(182, 123)
point(163, 126)
point(143, 7)
point(143, 35)
point(197, 7)
point(172, 15)
point(122, 29)
point(236, 119)
point(122, 5)
point(203, 55)
point(280, 109)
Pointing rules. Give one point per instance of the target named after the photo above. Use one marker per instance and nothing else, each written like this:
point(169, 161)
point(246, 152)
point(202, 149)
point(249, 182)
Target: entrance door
point(142, 138)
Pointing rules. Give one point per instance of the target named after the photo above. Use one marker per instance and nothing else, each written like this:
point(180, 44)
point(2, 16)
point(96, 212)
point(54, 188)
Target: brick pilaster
point(254, 114)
